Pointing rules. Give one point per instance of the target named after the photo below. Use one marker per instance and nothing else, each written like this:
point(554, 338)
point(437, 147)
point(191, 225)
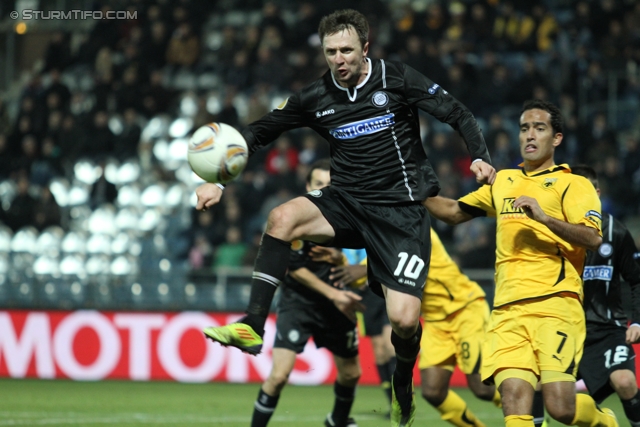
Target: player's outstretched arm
point(576, 234)
point(484, 172)
point(446, 210)
point(208, 195)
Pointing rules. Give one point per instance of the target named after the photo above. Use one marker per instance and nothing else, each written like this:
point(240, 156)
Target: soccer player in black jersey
point(367, 109)
point(310, 306)
point(608, 363)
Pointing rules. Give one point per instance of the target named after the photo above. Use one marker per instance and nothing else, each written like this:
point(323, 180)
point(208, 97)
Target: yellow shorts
point(542, 335)
point(458, 338)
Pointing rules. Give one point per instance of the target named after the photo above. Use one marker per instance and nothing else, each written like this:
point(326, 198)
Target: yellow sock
point(455, 411)
point(518, 421)
point(497, 400)
point(588, 414)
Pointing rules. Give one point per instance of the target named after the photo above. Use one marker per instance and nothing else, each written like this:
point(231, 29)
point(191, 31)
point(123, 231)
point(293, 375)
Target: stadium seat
point(86, 171)
point(99, 244)
point(180, 127)
point(25, 240)
point(5, 239)
point(72, 266)
point(128, 195)
point(74, 242)
point(153, 195)
point(103, 220)
point(78, 194)
point(49, 241)
point(156, 128)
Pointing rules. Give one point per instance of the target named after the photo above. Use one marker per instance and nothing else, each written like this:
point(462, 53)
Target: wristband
point(220, 186)
point(477, 160)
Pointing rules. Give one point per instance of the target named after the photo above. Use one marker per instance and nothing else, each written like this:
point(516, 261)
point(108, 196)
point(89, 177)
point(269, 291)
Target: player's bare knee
point(624, 383)
point(403, 324)
point(277, 381)
point(561, 410)
point(349, 377)
point(434, 395)
point(280, 222)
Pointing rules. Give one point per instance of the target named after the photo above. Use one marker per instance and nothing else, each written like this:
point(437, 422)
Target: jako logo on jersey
point(363, 127)
point(315, 193)
point(325, 113)
point(598, 272)
point(282, 104)
point(380, 99)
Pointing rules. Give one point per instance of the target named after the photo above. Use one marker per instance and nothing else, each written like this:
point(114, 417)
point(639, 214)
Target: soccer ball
point(217, 153)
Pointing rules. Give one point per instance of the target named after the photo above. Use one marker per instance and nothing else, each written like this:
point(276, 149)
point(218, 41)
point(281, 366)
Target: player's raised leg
point(576, 409)
point(296, 219)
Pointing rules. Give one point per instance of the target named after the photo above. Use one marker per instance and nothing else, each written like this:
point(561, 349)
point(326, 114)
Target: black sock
point(406, 353)
point(385, 372)
point(632, 409)
point(342, 404)
point(269, 270)
point(537, 409)
point(263, 409)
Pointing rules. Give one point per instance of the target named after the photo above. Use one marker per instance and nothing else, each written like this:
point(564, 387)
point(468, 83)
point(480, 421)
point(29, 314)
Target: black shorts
point(375, 316)
point(604, 352)
point(397, 238)
point(297, 322)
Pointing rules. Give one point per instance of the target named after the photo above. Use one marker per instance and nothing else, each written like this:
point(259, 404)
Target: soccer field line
point(15, 418)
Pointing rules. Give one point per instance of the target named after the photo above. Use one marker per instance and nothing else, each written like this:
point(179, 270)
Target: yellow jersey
point(531, 260)
point(447, 289)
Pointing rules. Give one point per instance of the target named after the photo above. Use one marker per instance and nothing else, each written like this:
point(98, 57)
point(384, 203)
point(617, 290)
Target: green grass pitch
point(125, 403)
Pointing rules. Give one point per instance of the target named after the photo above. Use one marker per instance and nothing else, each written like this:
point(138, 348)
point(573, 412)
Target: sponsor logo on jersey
point(282, 104)
point(363, 127)
point(605, 249)
point(507, 207)
point(510, 179)
point(380, 99)
point(434, 88)
point(548, 182)
point(315, 193)
point(325, 113)
point(598, 272)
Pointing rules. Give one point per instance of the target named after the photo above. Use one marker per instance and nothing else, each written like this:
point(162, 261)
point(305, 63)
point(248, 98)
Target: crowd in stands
point(490, 54)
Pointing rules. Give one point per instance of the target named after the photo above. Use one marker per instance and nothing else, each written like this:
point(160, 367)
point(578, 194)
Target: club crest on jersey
point(380, 99)
point(363, 127)
point(598, 272)
point(548, 182)
point(297, 245)
point(315, 193)
point(294, 335)
point(605, 250)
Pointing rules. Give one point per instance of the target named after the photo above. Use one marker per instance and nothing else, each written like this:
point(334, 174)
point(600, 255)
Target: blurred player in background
point(455, 315)
point(373, 322)
point(367, 110)
point(546, 220)
point(608, 364)
point(310, 307)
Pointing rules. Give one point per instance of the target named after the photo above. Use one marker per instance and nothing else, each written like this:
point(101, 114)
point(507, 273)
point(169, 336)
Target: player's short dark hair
point(322, 164)
point(557, 122)
point(342, 20)
point(588, 172)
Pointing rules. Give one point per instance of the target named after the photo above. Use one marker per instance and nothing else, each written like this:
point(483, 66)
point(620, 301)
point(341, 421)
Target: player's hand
point(484, 172)
point(348, 303)
point(530, 207)
point(633, 334)
point(344, 275)
point(324, 254)
point(208, 195)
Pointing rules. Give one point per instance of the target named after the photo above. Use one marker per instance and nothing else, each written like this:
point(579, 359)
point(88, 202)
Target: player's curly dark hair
point(322, 164)
point(343, 20)
point(557, 122)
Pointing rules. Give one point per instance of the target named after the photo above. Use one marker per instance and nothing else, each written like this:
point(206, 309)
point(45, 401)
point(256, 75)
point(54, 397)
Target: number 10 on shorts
point(412, 269)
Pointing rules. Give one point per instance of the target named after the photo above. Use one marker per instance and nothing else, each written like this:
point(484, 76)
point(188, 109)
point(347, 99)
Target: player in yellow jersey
point(455, 315)
point(546, 219)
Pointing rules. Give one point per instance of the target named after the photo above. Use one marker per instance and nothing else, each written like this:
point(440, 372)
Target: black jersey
point(295, 291)
point(373, 130)
point(617, 257)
